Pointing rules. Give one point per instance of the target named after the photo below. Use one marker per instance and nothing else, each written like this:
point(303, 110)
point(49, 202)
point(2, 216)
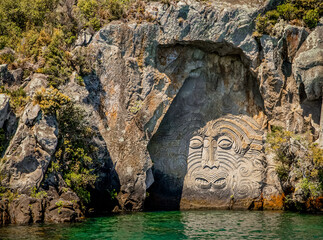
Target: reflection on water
point(179, 225)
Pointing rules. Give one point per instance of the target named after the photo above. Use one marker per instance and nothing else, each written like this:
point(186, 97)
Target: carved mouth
point(203, 183)
point(220, 183)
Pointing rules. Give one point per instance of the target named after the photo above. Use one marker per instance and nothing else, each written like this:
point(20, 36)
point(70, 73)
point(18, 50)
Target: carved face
point(225, 157)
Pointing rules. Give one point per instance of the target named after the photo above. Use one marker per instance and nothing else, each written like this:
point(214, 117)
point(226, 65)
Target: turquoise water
point(179, 225)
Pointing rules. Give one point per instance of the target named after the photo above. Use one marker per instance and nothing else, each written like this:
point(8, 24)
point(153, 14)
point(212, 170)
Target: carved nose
point(209, 155)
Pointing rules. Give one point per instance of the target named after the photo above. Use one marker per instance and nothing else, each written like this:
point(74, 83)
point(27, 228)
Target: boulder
point(64, 207)
point(5, 75)
point(308, 64)
point(17, 75)
point(308, 72)
point(4, 108)
point(30, 150)
point(84, 38)
point(37, 81)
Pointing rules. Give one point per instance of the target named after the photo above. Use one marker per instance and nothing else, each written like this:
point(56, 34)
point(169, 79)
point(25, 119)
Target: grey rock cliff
point(308, 64)
point(142, 68)
point(30, 150)
point(4, 108)
point(180, 108)
point(308, 72)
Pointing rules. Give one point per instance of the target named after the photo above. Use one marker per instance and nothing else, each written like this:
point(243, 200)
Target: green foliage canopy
point(298, 12)
point(297, 154)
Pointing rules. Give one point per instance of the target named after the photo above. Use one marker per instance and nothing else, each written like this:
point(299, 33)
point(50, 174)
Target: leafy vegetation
point(37, 194)
point(136, 106)
point(56, 59)
point(114, 194)
point(18, 98)
point(298, 12)
point(50, 100)
point(19, 15)
point(298, 160)
point(6, 193)
point(72, 158)
point(42, 32)
point(7, 58)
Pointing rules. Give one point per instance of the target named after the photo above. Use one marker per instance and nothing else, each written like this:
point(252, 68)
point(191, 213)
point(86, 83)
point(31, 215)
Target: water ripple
point(179, 225)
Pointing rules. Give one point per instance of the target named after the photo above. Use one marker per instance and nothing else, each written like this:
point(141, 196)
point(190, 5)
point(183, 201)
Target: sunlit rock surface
point(205, 58)
point(180, 108)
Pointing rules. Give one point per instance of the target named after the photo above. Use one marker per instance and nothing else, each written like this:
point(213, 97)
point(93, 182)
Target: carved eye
point(225, 143)
point(196, 142)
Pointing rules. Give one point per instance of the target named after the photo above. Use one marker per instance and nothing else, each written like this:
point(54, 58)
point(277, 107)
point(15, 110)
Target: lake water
point(179, 225)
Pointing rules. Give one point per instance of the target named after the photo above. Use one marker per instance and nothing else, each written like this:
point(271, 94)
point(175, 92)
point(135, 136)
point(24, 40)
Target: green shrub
point(57, 60)
point(273, 15)
point(287, 11)
point(135, 106)
point(88, 8)
point(94, 13)
point(83, 61)
point(114, 194)
point(59, 204)
point(37, 194)
point(72, 158)
point(43, 31)
point(50, 100)
point(30, 27)
point(7, 58)
point(34, 41)
point(18, 98)
point(17, 15)
point(309, 188)
point(79, 80)
point(299, 12)
point(117, 8)
point(297, 153)
point(6, 193)
point(311, 18)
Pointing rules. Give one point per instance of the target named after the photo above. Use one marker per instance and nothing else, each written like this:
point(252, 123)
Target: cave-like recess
point(214, 86)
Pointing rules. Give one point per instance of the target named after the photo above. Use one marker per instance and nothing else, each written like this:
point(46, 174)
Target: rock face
point(37, 81)
point(308, 64)
point(4, 109)
point(197, 65)
point(54, 208)
point(24, 166)
point(214, 87)
point(30, 150)
point(5, 75)
point(225, 164)
point(308, 72)
point(180, 108)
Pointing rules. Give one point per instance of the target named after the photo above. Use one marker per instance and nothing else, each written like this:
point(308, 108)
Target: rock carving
point(226, 158)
